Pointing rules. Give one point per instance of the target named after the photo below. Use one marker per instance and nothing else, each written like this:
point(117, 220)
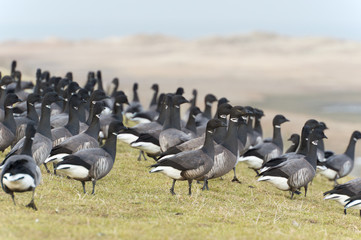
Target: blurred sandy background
point(300, 77)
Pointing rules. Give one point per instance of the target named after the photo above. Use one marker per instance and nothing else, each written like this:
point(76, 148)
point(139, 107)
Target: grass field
point(130, 203)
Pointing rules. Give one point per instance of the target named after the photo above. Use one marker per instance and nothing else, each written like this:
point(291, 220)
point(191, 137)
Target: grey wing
point(59, 134)
point(301, 177)
point(17, 148)
point(193, 144)
point(346, 168)
point(269, 151)
point(7, 137)
point(41, 148)
point(336, 162)
point(354, 185)
point(101, 162)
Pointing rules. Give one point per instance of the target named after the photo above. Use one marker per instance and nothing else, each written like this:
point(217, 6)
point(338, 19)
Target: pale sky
point(97, 19)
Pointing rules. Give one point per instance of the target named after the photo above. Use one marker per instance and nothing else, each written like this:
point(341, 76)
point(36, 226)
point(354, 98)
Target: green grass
point(130, 203)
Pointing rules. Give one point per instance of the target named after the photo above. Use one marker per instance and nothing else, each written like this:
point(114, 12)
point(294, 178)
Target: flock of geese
point(73, 131)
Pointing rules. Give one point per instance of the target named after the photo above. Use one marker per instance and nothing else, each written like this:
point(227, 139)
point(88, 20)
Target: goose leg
point(172, 188)
point(190, 187)
point(145, 159)
point(46, 168)
point(32, 203)
point(83, 184)
point(235, 179)
point(94, 182)
point(336, 183)
point(306, 189)
point(257, 173)
point(13, 197)
point(140, 155)
point(292, 193)
point(345, 212)
point(54, 167)
point(205, 185)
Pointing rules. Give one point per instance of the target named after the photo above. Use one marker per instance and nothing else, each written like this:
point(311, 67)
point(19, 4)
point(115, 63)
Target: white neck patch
point(223, 116)
point(234, 119)
point(194, 116)
point(244, 118)
point(97, 115)
point(48, 106)
point(251, 117)
point(315, 142)
point(277, 126)
point(76, 108)
point(209, 131)
point(355, 139)
point(176, 106)
point(3, 87)
point(115, 134)
point(117, 104)
point(31, 104)
point(9, 107)
point(94, 102)
point(209, 104)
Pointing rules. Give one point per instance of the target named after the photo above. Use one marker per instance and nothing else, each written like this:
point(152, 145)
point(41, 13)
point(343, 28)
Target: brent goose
point(295, 140)
point(94, 163)
point(20, 172)
point(190, 165)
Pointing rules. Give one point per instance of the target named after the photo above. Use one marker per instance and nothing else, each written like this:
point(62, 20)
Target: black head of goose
point(192, 101)
point(191, 123)
point(340, 165)
point(171, 133)
point(59, 134)
point(87, 139)
point(8, 125)
point(42, 143)
point(96, 96)
point(84, 96)
point(6, 80)
point(243, 132)
point(295, 140)
point(220, 102)
point(89, 86)
point(191, 164)
point(226, 153)
point(179, 91)
point(341, 193)
point(20, 172)
point(73, 87)
point(209, 99)
point(292, 175)
point(94, 163)
point(116, 86)
point(258, 155)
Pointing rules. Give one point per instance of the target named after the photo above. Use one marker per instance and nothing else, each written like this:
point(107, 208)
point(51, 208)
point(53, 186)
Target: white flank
point(56, 158)
point(166, 156)
point(140, 120)
point(329, 173)
point(146, 147)
point(101, 134)
point(168, 171)
point(340, 198)
point(252, 161)
point(356, 204)
point(127, 138)
point(73, 171)
point(278, 182)
point(18, 182)
point(263, 169)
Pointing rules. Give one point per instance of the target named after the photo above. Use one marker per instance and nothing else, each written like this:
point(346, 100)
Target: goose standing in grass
point(8, 126)
point(94, 163)
point(339, 166)
point(353, 202)
point(42, 143)
point(341, 193)
point(257, 156)
point(20, 172)
point(190, 165)
point(84, 140)
point(291, 175)
point(171, 133)
point(5, 81)
point(226, 153)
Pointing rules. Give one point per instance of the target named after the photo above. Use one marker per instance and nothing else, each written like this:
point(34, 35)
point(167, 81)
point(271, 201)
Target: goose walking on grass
point(20, 172)
point(190, 165)
point(343, 192)
point(291, 175)
point(338, 166)
point(258, 155)
point(94, 163)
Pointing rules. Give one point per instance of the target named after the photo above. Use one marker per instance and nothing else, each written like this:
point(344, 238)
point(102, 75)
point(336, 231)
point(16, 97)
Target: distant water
point(342, 108)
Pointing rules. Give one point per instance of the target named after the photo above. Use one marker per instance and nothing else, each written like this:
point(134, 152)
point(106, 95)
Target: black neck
point(115, 90)
point(110, 145)
point(175, 117)
point(191, 123)
point(154, 99)
point(207, 111)
point(303, 149)
point(81, 112)
point(94, 127)
point(73, 122)
point(230, 142)
point(208, 146)
point(90, 117)
point(2, 97)
point(258, 127)
point(27, 147)
point(44, 123)
point(350, 150)
point(31, 112)
point(292, 148)
point(9, 121)
point(311, 156)
point(277, 137)
point(221, 132)
point(242, 132)
point(135, 96)
point(118, 111)
point(162, 115)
